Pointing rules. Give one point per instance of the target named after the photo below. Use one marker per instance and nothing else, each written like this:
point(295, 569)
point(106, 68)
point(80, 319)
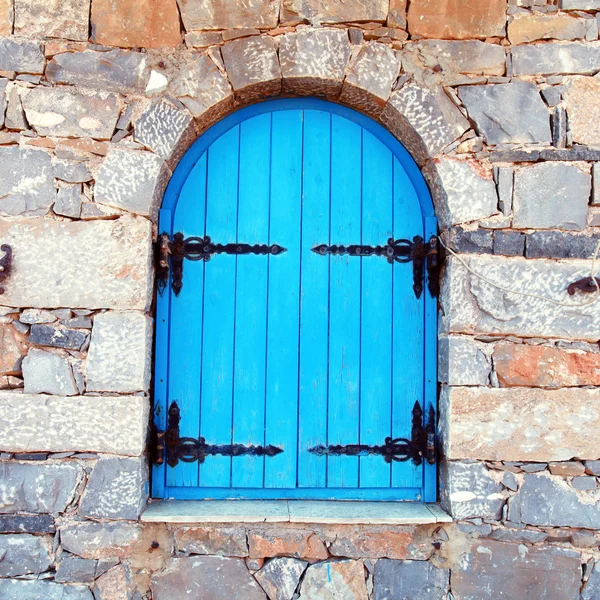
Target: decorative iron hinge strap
point(190, 450)
point(197, 248)
point(421, 446)
point(5, 264)
point(401, 251)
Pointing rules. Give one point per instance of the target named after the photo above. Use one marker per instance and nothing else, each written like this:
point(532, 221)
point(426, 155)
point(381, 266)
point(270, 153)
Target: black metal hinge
point(171, 254)
point(5, 264)
point(189, 450)
point(401, 251)
point(421, 446)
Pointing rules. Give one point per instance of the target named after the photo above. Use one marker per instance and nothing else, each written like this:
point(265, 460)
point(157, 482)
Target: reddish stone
point(286, 542)
point(397, 13)
point(86, 145)
point(136, 23)
point(12, 350)
point(224, 541)
point(457, 19)
point(545, 366)
point(6, 17)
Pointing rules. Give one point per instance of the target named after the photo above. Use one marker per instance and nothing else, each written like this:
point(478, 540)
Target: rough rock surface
point(14, 349)
point(417, 580)
point(280, 577)
point(298, 543)
point(562, 59)
point(581, 101)
point(580, 4)
point(332, 11)
point(27, 524)
point(21, 55)
point(48, 373)
point(530, 27)
point(20, 589)
point(462, 361)
point(55, 19)
point(334, 579)
point(520, 424)
point(225, 14)
point(33, 423)
point(115, 584)
point(93, 540)
point(6, 17)
point(398, 543)
point(74, 569)
point(224, 541)
point(23, 554)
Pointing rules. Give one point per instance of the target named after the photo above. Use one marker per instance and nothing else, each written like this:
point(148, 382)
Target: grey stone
point(519, 536)
point(132, 180)
point(23, 554)
point(48, 373)
point(71, 171)
point(417, 580)
point(78, 322)
point(596, 185)
point(68, 201)
point(551, 196)
point(19, 589)
point(477, 241)
point(584, 483)
point(557, 244)
point(548, 59)
point(224, 541)
point(34, 315)
point(559, 127)
point(331, 11)
point(534, 467)
point(21, 328)
point(116, 489)
point(592, 466)
point(117, 582)
point(214, 577)
point(93, 540)
point(253, 68)
point(468, 490)
point(509, 481)
point(26, 524)
point(120, 353)
point(113, 71)
point(591, 589)
point(216, 14)
point(425, 120)
point(584, 539)
point(334, 579)
point(553, 94)
point(505, 182)
point(21, 55)
point(313, 61)
point(37, 488)
point(26, 182)
point(3, 99)
point(31, 423)
point(165, 129)
point(511, 113)
point(62, 113)
point(509, 243)
point(482, 530)
point(72, 569)
point(580, 4)
point(45, 335)
point(280, 577)
point(515, 156)
point(15, 115)
point(462, 361)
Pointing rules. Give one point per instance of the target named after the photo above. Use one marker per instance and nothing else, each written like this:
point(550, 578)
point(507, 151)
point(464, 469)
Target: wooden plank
point(314, 299)
point(284, 299)
point(219, 305)
point(376, 311)
point(251, 300)
point(345, 300)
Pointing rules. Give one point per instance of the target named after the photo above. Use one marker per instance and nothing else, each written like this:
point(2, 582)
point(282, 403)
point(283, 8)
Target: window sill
point(293, 511)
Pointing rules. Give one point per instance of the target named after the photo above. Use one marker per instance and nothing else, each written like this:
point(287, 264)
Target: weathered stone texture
point(48, 373)
point(551, 195)
point(280, 577)
point(47, 335)
point(297, 543)
point(115, 584)
point(457, 19)
point(334, 579)
point(397, 14)
point(6, 17)
point(227, 14)
point(558, 244)
point(120, 353)
point(14, 348)
point(252, 67)
point(93, 540)
point(520, 424)
point(591, 590)
point(74, 569)
point(462, 191)
point(21, 55)
point(511, 113)
point(112, 257)
point(223, 541)
point(417, 580)
point(212, 577)
point(530, 27)
point(471, 305)
point(36, 488)
point(61, 113)
point(26, 524)
point(140, 24)
point(313, 61)
point(68, 201)
point(563, 59)
point(33, 423)
point(23, 554)
point(462, 361)
point(424, 120)
point(55, 19)
point(581, 100)
point(332, 11)
point(495, 569)
point(580, 4)
point(20, 589)
point(26, 183)
point(71, 171)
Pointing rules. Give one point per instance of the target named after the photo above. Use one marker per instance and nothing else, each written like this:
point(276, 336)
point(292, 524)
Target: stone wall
point(498, 103)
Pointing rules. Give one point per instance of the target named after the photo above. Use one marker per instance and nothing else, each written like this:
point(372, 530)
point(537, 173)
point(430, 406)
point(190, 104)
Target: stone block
point(23, 554)
point(26, 182)
point(335, 579)
point(471, 305)
point(112, 71)
point(468, 491)
point(457, 19)
point(21, 589)
point(510, 113)
point(48, 373)
point(531, 27)
point(280, 577)
point(115, 584)
point(476, 241)
point(116, 489)
point(569, 468)
point(13, 348)
point(551, 196)
point(556, 59)
point(227, 14)
point(297, 543)
point(223, 541)
point(140, 24)
point(397, 14)
point(21, 55)
point(519, 536)
point(72, 569)
point(370, 78)
point(545, 366)
point(46, 335)
point(596, 185)
point(591, 589)
point(68, 19)
point(494, 570)
point(592, 467)
point(214, 577)
point(331, 11)
point(462, 361)
point(581, 101)
point(462, 191)
point(424, 120)
point(417, 580)
point(61, 113)
point(68, 201)
point(92, 540)
point(37, 488)
point(252, 67)
point(3, 99)
point(520, 424)
point(26, 524)
point(313, 61)
point(509, 243)
point(558, 244)
point(79, 423)
point(71, 171)
point(580, 4)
